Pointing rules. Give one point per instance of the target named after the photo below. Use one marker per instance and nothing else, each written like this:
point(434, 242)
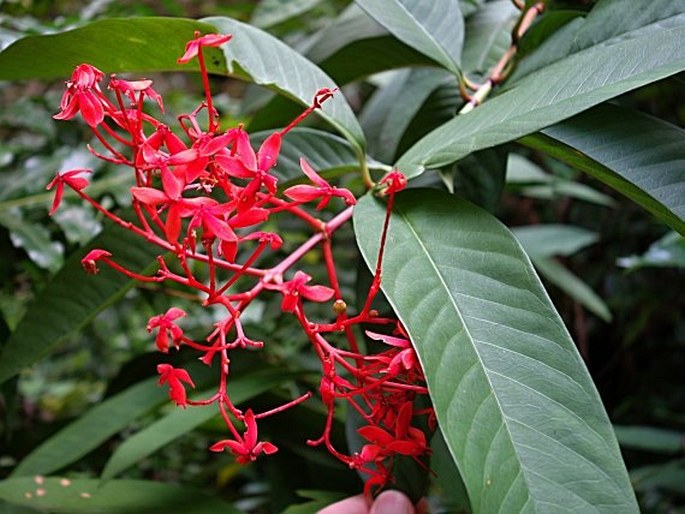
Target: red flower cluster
point(203, 196)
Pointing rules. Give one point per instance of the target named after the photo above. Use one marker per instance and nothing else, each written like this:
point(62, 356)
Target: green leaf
point(72, 299)
point(92, 429)
point(272, 12)
point(669, 251)
point(669, 476)
point(650, 439)
point(355, 45)
point(116, 497)
point(516, 404)
point(488, 35)
point(113, 45)
point(480, 177)
point(553, 239)
point(132, 45)
point(609, 22)
point(552, 94)
point(389, 113)
point(637, 155)
point(181, 421)
point(34, 239)
point(573, 286)
point(435, 28)
point(257, 56)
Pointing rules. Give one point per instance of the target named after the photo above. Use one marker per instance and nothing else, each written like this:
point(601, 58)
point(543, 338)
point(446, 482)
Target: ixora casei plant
point(204, 200)
point(451, 369)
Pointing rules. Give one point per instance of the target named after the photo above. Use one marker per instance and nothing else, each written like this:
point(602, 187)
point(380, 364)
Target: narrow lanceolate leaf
point(272, 12)
point(73, 496)
point(607, 22)
point(637, 155)
point(257, 56)
point(552, 94)
point(181, 421)
point(389, 113)
point(488, 35)
point(72, 299)
point(355, 45)
point(572, 285)
point(550, 239)
point(435, 28)
point(516, 404)
point(92, 429)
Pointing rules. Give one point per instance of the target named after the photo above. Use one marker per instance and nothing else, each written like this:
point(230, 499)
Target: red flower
point(83, 95)
point(395, 182)
point(130, 88)
point(194, 46)
point(211, 215)
point(322, 190)
point(293, 289)
point(170, 196)
point(248, 449)
point(406, 358)
point(165, 325)
point(407, 440)
point(90, 260)
point(73, 179)
point(174, 377)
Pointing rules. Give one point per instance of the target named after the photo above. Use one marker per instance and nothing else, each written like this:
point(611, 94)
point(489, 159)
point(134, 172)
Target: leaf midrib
point(471, 339)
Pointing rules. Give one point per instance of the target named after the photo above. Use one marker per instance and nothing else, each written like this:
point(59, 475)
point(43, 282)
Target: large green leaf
point(72, 299)
point(113, 45)
point(58, 495)
point(608, 22)
point(181, 421)
point(154, 44)
point(552, 94)
point(435, 28)
point(516, 404)
point(639, 156)
point(259, 57)
point(92, 429)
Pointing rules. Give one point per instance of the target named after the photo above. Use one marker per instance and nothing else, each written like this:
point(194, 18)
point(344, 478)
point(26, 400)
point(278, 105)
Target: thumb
point(392, 502)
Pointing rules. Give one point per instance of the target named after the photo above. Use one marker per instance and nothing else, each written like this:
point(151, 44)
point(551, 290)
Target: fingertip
point(392, 502)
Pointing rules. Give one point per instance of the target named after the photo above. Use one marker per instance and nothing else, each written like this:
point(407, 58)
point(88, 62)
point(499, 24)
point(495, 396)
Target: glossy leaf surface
point(644, 160)
point(552, 94)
